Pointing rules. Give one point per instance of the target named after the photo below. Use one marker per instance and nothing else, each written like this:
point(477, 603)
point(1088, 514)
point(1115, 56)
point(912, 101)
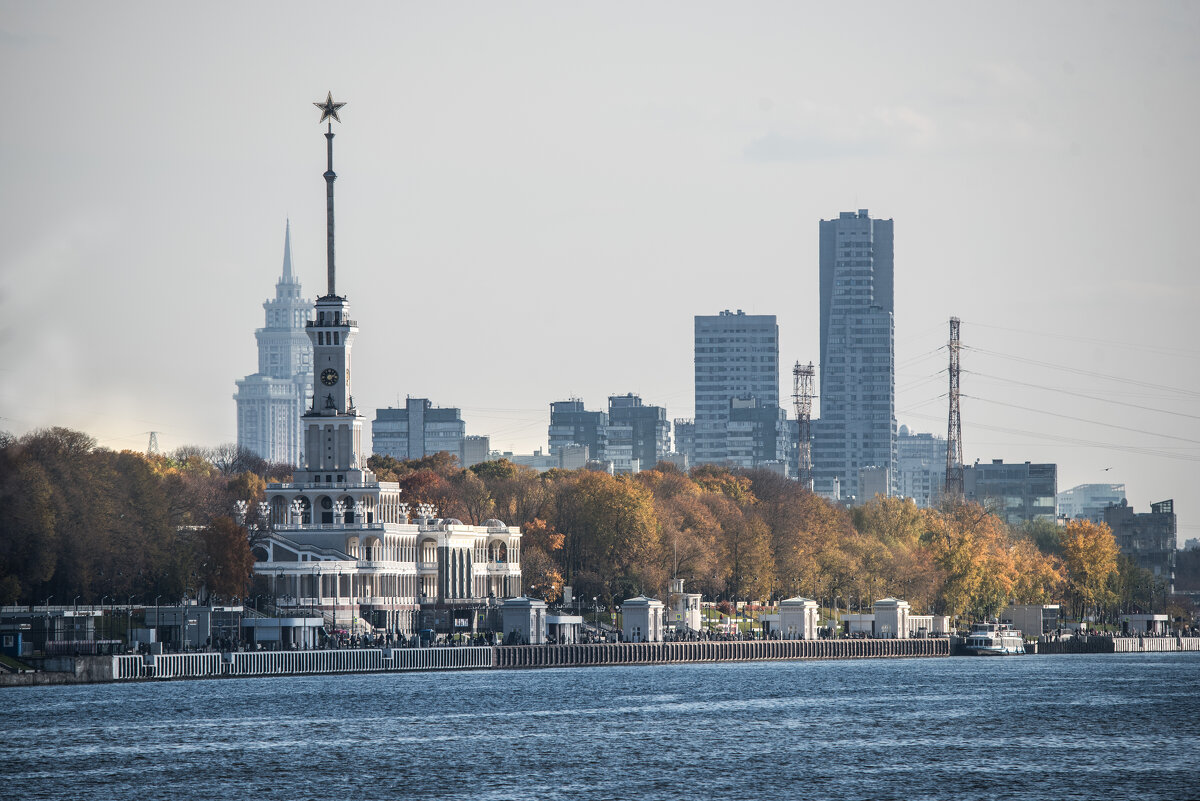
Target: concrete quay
point(95, 669)
point(1097, 644)
point(661, 653)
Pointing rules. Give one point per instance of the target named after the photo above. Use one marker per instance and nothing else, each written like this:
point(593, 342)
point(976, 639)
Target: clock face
point(329, 377)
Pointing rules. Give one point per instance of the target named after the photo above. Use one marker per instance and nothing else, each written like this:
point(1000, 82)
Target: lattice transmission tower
point(152, 446)
point(802, 396)
point(954, 452)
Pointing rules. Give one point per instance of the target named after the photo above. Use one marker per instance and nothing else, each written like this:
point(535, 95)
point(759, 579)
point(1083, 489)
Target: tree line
point(735, 534)
point(81, 520)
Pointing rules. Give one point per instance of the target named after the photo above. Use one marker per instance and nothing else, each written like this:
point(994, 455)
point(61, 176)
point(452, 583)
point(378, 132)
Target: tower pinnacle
point(287, 253)
point(329, 111)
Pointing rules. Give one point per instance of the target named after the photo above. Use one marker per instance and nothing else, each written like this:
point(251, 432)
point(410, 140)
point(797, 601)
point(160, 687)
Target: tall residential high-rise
point(737, 357)
point(271, 401)
point(857, 427)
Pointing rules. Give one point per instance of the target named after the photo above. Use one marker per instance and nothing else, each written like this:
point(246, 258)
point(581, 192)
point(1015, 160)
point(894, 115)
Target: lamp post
point(278, 581)
point(129, 618)
point(316, 578)
point(102, 600)
point(157, 621)
point(46, 630)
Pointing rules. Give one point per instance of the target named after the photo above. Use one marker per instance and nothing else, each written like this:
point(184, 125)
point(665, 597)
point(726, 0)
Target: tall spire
point(287, 254)
point(329, 111)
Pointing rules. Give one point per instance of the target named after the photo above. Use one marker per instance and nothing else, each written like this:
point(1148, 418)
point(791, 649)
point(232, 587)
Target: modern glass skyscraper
point(857, 427)
point(737, 356)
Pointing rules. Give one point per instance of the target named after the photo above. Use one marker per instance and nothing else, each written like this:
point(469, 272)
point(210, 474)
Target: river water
point(1034, 727)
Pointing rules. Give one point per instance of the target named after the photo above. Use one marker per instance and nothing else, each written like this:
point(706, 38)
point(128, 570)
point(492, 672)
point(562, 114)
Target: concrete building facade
point(419, 429)
point(641, 432)
point(1088, 501)
point(1148, 538)
point(572, 424)
point(1018, 493)
point(736, 357)
point(757, 435)
point(921, 465)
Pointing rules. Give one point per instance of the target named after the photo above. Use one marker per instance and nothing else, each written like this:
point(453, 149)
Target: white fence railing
point(278, 663)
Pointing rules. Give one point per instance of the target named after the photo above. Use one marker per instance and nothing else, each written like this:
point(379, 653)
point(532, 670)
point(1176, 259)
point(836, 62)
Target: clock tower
point(343, 543)
point(333, 426)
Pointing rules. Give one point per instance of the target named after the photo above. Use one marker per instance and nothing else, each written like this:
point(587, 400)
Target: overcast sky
point(535, 199)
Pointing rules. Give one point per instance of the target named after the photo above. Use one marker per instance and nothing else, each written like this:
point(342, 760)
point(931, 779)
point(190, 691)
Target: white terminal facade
point(346, 546)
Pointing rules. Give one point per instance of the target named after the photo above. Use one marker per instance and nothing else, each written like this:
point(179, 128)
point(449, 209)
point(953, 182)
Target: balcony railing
point(336, 485)
point(344, 322)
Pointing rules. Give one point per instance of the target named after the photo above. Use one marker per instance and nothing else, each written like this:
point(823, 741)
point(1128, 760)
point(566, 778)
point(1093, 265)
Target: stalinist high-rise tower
point(271, 401)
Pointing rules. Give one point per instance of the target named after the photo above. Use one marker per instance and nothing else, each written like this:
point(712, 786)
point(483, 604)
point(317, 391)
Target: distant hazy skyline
point(535, 199)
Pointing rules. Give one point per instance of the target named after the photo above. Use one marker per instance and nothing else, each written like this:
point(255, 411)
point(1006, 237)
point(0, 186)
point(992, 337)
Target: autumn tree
point(472, 497)
point(225, 563)
point(28, 534)
point(1090, 557)
point(610, 533)
point(540, 573)
point(952, 542)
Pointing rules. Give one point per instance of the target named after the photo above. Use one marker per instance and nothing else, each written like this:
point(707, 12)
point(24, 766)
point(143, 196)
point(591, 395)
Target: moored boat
point(994, 639)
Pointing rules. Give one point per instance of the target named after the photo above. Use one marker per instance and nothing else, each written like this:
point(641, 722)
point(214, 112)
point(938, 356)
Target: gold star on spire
point(329, 108)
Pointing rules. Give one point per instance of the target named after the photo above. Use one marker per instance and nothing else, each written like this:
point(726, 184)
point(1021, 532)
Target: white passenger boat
point(994, 639)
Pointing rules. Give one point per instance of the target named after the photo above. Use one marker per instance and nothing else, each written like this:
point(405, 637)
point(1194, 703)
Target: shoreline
point(258, 664)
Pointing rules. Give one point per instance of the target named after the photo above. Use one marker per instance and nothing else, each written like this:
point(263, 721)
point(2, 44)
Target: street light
point(129, 618)
point(102, 600)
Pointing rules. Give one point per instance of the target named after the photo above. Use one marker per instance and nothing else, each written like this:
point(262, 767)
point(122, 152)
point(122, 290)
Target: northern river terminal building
point(343, 545)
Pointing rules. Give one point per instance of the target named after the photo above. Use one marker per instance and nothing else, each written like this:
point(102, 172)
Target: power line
point(1094, 341)
point(1084, 420)
point(1079, 371)
point(1137, 449)
point(1082, 395)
